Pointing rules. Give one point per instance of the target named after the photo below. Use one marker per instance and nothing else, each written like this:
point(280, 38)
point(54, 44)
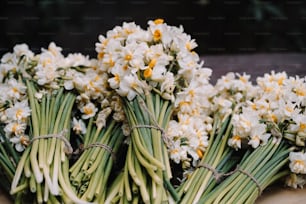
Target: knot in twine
point(103, 146)
point(250, 176)
point(216, 174)
point(61, 136)
point(156, 126)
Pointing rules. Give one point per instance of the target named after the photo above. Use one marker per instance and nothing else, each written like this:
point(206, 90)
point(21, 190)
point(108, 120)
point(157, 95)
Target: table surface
point(256, 65)
point(272, 195)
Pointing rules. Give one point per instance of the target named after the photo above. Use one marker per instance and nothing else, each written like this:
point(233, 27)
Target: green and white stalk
point(89, 174)
point(47, 166)
point(264, 164)
point(202, 180)
point(146, 174)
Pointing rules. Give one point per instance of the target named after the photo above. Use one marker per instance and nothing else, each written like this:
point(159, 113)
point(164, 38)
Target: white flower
point(46, 75)
point(78, 126)
point(15, 128)
point(77, 59)
point(202, 75)
point(295, 181)
point(9, 63)
point(16, 89)
point(168, 85)
point(54, 50)
point(70, 75)
point(235, 142)
point(300, 124)
point(130, 86)
point(159, 31)
point(21, 142)
point(19, 112)
point(177, 152)
point(103, 116)
point(4, 89)
point(297, 162)
point(23, 49)
point(40, 94)
point(296, 89)
point(188, 63)
point(89, 110)
point(258, 135)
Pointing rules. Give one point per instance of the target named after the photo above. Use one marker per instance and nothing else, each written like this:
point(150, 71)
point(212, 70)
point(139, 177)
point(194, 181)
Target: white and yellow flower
point(297, 162)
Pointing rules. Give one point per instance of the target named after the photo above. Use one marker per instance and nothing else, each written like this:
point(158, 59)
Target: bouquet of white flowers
point(50, 103)
point(116, 129)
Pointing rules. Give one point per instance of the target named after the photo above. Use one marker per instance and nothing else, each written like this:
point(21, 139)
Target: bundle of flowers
point(147, 68)
point(143, 124)
point(267, 122)
point(50, 105)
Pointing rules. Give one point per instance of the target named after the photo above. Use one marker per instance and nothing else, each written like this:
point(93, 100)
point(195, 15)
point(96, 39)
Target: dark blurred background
point(219, 26)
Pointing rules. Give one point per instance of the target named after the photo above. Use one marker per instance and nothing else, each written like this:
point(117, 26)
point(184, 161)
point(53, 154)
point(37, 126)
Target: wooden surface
point(256, 65)
point(271, 195)
point(281, 195)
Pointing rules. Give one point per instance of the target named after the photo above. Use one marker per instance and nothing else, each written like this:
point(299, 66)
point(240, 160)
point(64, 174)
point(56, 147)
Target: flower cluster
point(14, 108)
point(140, 60)
point(189, 132)
point(196, 106)
point(275, 109)
point(51, 70)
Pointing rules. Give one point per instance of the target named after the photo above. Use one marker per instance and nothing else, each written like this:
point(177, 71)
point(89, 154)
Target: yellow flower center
point(157, 35)
point(97, 78)
point(184, 103)
point(289, 109)
point(199, 153)
point(280, 81)
point(19, 113)
point(125, 67)
point(191, 93)
point(147, 73)
point(256, 138)
point(15, 90)
point(100, 55)
point(111, 63)
point(254, 107)
point(174, 151)
point(24, 141)
point(243, 79)
point(128, 31)
point(152, 63)
point(88, 110)
point(300, 92)
point(268, 89)
point(158, 21)
point(302, 126)
point(134, 85)
point(236, 138)
point(299, 162)
point(117, 78)
point(128, 57)
point(14, 128)
point(46, 62)
point(274, 118)
point(188, 46)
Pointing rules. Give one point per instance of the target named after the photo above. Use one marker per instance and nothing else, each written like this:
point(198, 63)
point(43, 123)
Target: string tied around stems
point(61, 136)
point(217, 175)
point(155, 125)
point(101, 145)
point(250, 176)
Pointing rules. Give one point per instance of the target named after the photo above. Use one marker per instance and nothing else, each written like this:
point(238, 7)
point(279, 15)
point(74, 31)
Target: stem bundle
point(146, 175)
point(43, 167)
